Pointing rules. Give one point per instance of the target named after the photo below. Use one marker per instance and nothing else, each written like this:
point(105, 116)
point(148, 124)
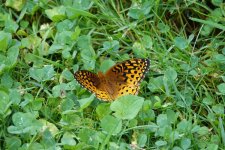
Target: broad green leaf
point(147, 41)
point(219, 109)
point(139, 11)
point(49, 126)
point(84, 43)
point(194, 61)
point(203, 131)
point(171, 74)
point(195, 128)
point(156, 84)
point(163, 27)
point(65, 25)
point(24, 123)
point(211, 116)
point(208, 100)
point(223, 78)
point(14, 96)
point(185, 143)
point(215, 138)
point(177, 148)
point(59, 90)
point(184, 126)
point(147, 105)
point(111, 125)
point(162, 120)
point(139, 49)
point(103, 109)
point(17, 5)
point(219, 58)
point(4, 101)
point(142, 139)
point(187, 95)
point(66, 53)
point(147, 115)
point(71, 85)
point(171, 116)
point(185, 67)
point(12, 55)
point(76, 33)
point(31, 42)
point(11, 26)
point(6, 80)
point(223, 51)
point(64, 38)
point(160, 143)
point(48, 140)
point(56, 14)
point(66, 74)
point(54, 48)
point(85, 102)
point(181, 43)
point(221, 88)
point(7, 62)
point(21, 32)
point(73, 13)
point(22, 119)
point(112, 45)
point(158, 102)
point(32, 146)
point(37, 103)
point(133, 123)
point(71, 119)
point(13, 142)
point(67, 139)
point(164, 131)
point(175, 135)
point(5, 39)
point(217, 2)
point(127, 107)
point(212, 146)
point(83, 5)
point(33, 58)
point(67, 104)
point(135, 13)
point(28, 98)
point(44, 74)
point(88, 136)
point(87, 52)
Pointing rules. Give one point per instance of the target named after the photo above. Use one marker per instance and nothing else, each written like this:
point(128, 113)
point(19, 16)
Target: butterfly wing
point(92, 83)
point(128, 75)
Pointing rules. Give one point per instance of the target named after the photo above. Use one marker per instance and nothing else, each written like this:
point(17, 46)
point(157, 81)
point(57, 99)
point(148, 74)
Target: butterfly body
point(121, 79)
point(107, 85)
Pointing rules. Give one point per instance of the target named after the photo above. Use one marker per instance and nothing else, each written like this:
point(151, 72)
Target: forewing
point(88, 80)
point(91, 82)
point(128, 75)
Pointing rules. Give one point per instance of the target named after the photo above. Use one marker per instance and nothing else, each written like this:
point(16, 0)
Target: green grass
point(181, 102)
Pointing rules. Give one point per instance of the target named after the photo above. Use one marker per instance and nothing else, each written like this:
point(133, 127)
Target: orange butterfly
point(121, 79)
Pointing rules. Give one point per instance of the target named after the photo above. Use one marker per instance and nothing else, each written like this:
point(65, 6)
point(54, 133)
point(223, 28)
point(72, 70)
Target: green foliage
point(181, 103)
point(127, 107)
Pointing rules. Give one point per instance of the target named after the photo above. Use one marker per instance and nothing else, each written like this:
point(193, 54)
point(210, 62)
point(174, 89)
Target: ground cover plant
point(181, 100)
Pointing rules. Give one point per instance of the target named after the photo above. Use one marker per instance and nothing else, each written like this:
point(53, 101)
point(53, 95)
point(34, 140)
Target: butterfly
point(121, 79)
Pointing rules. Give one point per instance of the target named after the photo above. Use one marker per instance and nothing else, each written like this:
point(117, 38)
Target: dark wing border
point(87, 79)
